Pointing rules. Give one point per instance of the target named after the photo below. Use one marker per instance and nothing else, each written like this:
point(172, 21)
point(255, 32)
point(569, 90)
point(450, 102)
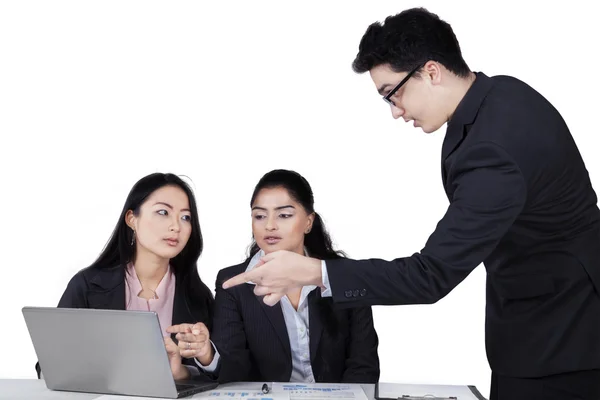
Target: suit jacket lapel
point(275, 317)
point(315, 322)
point(465, 114)
point(454, 135)
point(181, 312)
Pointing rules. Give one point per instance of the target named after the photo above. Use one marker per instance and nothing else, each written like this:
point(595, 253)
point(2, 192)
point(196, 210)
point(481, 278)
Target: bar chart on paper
point(241, 395)
point(321, 391)
point(216, 395)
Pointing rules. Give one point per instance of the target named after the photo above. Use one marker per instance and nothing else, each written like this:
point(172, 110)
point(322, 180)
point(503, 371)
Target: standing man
point(521, 202)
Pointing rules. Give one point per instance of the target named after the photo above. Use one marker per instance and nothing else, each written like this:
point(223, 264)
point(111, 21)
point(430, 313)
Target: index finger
point(181, 328)
point(238, 280)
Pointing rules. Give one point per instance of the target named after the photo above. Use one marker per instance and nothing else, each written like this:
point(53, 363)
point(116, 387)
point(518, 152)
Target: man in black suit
point(521, 202)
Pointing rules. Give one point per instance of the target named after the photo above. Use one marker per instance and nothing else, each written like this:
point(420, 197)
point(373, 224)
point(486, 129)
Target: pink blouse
point(163, 305)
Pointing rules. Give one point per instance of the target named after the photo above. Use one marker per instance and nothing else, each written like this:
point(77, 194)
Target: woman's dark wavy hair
point(317, 242)
point(120, 252)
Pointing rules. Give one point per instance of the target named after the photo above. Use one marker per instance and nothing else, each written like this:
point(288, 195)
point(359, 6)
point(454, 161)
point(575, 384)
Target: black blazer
point(105, 289)
point(253, 342)
point(522, 203)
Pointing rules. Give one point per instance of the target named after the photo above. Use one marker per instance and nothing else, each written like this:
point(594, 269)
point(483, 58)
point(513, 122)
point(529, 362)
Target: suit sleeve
point(229, 336)
point(489, 193)
point(362, 362)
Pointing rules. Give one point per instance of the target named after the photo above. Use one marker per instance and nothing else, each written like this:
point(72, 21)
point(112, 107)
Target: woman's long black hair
point(120, 251)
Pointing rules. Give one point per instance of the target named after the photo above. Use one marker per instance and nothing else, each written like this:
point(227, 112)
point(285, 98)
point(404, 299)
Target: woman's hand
point(179, 371)
point(194, 341)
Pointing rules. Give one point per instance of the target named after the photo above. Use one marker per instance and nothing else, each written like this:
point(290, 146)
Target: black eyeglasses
point(388, 97)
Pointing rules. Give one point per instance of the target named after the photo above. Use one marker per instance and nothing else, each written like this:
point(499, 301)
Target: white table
point(35, 389)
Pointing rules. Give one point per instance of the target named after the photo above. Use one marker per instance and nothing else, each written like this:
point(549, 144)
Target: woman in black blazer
point(302, 339)
point(149, 263)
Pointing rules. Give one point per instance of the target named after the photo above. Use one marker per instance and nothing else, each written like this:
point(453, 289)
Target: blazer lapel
point(275, 316)
point(465, 114)
point(315, 322)
point(181, 312)
point(454, 135)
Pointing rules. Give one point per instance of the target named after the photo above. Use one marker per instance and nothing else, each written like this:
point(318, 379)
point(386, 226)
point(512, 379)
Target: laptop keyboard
point(181, 387)
point(184, 389)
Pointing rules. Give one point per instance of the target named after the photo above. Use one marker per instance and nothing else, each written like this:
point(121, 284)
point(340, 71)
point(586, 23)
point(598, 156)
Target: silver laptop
point(105, 351)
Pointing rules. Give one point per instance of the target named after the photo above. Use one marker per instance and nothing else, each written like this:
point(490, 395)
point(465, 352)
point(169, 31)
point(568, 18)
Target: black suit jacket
point(253, 342)
point(522, 203)
point(104, 288)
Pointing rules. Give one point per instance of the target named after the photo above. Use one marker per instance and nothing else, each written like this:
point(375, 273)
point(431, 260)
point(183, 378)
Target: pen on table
point(265, 388)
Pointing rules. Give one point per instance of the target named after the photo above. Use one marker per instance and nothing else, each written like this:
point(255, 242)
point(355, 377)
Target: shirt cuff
point(212, 367)
point(326, 289)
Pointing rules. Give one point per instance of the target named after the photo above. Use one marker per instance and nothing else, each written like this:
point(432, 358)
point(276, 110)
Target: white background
point(95, 95)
